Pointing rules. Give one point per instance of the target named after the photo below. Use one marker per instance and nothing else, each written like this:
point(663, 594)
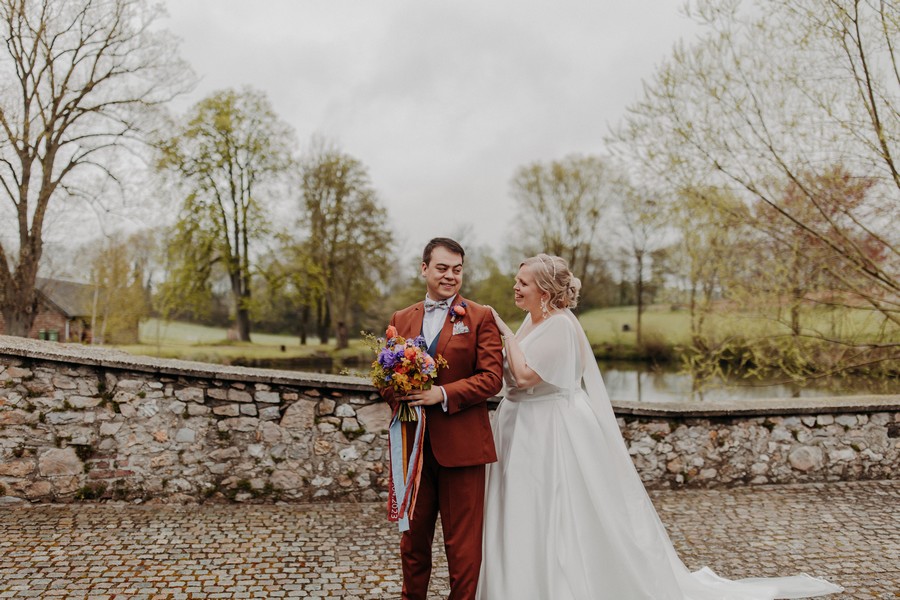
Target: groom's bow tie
point(430, 304)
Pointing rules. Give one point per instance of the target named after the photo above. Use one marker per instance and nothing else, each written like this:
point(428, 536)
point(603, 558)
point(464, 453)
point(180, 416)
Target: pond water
point(643, 382)
point(640, 382)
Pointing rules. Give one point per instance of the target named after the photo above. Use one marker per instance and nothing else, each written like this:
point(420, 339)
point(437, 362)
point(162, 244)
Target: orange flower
point(410, 353)
point(391, 332)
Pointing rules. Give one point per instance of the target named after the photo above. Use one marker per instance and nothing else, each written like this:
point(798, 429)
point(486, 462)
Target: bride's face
point(528, 294)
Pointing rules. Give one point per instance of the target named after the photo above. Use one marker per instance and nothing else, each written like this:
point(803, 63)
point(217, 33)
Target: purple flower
point(420, 342)
point(387, 358)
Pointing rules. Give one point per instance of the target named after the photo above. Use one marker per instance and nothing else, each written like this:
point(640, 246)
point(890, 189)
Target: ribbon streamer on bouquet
point(406, 440)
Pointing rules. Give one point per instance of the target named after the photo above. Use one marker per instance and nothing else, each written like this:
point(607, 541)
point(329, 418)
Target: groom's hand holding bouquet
point(404, 365)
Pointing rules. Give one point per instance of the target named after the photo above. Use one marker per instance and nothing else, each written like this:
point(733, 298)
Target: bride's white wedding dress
point(566, 514)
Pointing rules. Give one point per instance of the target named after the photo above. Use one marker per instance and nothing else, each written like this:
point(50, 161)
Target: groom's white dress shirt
point(432, 323)
point(434, 320)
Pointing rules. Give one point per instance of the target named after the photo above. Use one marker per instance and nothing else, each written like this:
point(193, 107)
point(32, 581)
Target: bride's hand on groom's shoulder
point(504, 328)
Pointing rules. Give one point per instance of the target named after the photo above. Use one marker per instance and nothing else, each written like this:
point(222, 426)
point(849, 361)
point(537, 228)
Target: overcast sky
point(441, 100)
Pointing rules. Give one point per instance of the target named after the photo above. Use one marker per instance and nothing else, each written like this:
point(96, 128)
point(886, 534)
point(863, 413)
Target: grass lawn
point(672, 327)
point(663, 328)
point(605, 325)
point(174, 339)
point(188, 341)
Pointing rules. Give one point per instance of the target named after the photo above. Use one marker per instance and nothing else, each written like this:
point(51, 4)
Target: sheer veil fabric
point(566, 514)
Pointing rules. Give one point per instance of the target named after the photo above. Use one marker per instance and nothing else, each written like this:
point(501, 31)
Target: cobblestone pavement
point(846, 532)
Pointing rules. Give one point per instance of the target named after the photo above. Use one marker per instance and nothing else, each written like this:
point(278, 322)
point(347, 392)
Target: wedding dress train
point(566, 514)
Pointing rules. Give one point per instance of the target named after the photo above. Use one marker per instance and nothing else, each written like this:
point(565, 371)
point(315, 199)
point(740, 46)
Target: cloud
point(441, 100)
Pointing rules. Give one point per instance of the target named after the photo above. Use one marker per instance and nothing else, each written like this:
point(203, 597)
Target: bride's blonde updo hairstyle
point(552, 275)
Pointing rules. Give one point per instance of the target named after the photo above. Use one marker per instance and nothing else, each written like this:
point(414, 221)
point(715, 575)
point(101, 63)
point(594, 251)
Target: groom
point(458, 439)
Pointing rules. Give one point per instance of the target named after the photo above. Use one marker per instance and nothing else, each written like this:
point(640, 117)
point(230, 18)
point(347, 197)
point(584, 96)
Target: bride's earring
point(545, 312)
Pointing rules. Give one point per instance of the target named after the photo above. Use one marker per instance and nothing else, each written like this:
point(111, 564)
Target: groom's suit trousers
point(458, 494)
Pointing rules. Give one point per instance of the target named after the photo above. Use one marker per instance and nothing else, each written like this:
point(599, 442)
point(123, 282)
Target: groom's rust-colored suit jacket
point(462, 436)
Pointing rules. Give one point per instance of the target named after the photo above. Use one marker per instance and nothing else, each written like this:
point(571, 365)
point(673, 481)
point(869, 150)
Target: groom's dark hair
point(451, 245)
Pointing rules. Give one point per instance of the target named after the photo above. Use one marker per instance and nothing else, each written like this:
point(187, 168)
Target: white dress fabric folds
point(566, 514)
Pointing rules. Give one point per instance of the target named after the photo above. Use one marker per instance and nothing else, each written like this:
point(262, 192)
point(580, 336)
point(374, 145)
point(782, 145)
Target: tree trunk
point(323, 320)
point(304, 323)
point(243, 324)
point(795, 317)
point(343, 338)
point(19, 306)
point(104, 318)
point(242, 314)
point(639, 292)
point(94, 313)
point(692, 303)
point(18, 322)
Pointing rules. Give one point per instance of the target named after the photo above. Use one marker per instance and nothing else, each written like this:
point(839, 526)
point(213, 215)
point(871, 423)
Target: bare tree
point(643, 236)
point(79, 80)
point(714, 238)
point(771, 100)
point(561, 206)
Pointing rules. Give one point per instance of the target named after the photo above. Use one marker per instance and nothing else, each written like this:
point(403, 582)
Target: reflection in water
point(642, 382)
point(647, 383)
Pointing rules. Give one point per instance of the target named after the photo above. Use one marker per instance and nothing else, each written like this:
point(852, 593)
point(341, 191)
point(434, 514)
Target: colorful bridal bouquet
point(404, 365)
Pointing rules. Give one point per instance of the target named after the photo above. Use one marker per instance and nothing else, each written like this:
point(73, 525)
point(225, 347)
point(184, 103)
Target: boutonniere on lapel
point(457, 312)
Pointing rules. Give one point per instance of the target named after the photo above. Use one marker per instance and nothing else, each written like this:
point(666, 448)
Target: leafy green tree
point(120, 299)
point(186, 288)
point(229, 154)
point(347, 238)
point(81, 79)
point(286, 290)
point(495, 290)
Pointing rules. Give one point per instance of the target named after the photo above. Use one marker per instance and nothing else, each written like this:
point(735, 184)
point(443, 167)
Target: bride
point(566, 515)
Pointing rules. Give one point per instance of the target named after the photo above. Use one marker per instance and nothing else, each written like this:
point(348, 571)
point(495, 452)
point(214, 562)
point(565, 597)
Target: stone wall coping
point(118, 359)
point(762, 407)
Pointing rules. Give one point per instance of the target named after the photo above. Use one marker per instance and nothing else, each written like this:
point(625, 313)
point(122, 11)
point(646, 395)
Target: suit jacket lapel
point(413, 326)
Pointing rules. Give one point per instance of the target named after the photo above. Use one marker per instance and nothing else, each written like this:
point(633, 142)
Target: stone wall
point(84, 423)
point(764, 441)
